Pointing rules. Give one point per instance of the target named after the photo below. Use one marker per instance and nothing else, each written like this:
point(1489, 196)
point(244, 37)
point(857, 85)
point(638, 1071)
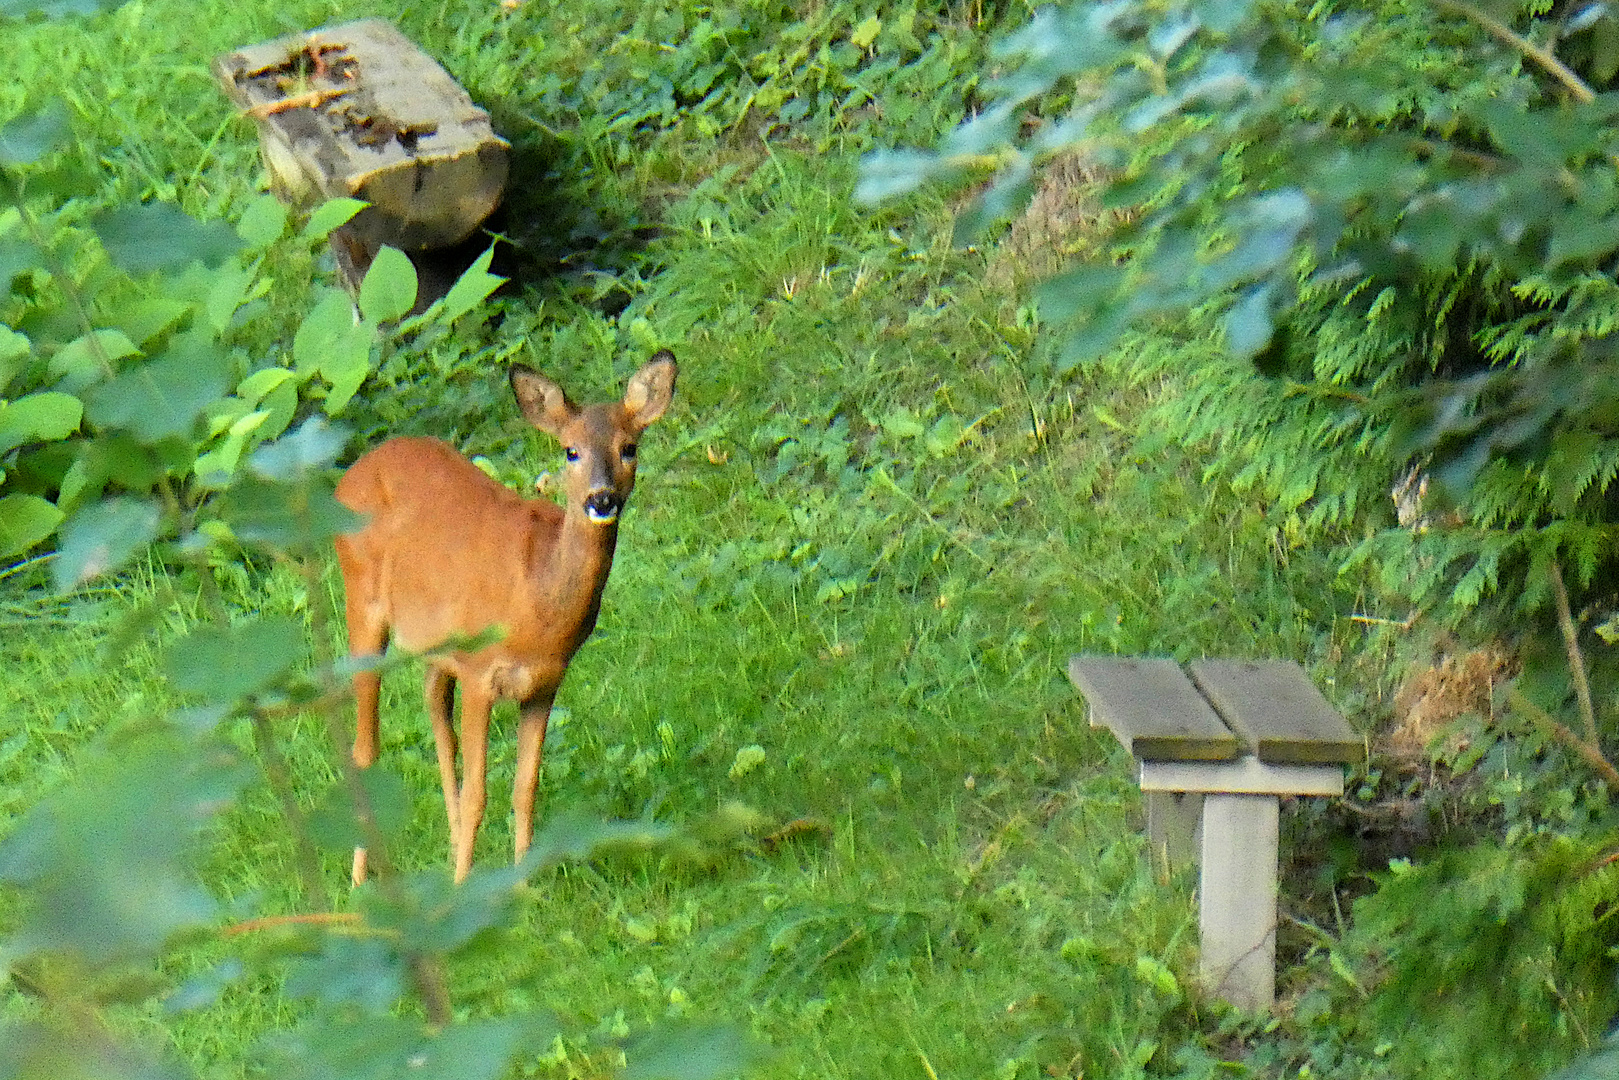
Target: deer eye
point(628, 453)
point(571, 453)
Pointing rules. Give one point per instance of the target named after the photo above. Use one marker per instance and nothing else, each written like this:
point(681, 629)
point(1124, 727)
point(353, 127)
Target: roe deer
point(447, 551)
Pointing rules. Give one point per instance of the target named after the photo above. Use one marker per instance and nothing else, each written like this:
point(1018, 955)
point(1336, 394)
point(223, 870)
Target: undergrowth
point(872, 529)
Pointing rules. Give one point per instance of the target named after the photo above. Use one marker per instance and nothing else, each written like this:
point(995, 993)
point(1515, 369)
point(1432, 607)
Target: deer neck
point(575, 569)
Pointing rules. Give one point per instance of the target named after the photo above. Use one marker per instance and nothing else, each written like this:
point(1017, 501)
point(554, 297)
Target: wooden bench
point(1214, 753)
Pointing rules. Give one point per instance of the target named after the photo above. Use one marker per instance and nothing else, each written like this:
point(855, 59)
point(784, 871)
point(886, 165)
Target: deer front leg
point(475, 705)
point(534, 714)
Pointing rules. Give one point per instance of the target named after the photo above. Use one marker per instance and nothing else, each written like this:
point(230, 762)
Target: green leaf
point(261, 382)
point(1082, 290)
point(13, 346)
point(389, 290)
point(78, 359)
point(232, 287)
point(306, 452)
point(227, 663)
point(888, 174)
point(361, 972)
point(287, 517)
point(328, 216)
point(102, 537)
point(568, 837)
point(479, 1049)
point(471, 288)
point(16, 257)
point(337, 1045)
point(330, 342)
point(164, 397)
point(322, 331)
point(1222, 16)
point(337, 347)
point(25, 520)
point(282, 405)
point(216, 467)
point(435, 914)
point(1578, 236)
point(205, 988)
point(345, 384)
point(144, 237)
point(145, 319)
point(697, 1052)
point(1007, 196)
point(1248, 325)
point(26, 140)
point(108, 860)
point(263, 222)
point(334, 823)
point(42, 417)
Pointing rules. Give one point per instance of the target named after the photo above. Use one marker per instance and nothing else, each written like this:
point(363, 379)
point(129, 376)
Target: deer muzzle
point(603, 507)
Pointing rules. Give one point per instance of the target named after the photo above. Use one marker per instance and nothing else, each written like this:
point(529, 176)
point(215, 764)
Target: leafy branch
point(1538, 53)
point(1588, 747)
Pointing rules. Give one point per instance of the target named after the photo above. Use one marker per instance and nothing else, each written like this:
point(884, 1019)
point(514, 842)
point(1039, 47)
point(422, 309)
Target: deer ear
point(542, 401)
point(650, 390)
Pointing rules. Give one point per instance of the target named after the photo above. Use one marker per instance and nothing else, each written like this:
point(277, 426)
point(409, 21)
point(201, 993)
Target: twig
point(1539, 54)
point(1591, 754)
point(271, 922)
point(306, 860)
point(1375, 620)
point(36, 233)
point(1576, 661)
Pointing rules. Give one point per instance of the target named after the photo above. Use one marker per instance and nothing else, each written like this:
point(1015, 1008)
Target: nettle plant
point(125, 359)
point(138, 418)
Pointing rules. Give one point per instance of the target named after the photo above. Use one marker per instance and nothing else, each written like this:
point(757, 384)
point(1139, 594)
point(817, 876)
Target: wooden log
point(358, 109)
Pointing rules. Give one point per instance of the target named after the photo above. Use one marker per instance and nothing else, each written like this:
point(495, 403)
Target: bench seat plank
point(1152, 708)
point(1277, 711)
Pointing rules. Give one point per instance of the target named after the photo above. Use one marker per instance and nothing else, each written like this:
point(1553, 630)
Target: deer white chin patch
point(599, 518)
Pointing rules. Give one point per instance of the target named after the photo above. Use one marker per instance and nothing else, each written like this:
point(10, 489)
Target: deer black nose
point(603, 506)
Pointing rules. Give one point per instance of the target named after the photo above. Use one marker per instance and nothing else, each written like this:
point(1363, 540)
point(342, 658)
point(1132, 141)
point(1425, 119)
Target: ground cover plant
point(818, 800)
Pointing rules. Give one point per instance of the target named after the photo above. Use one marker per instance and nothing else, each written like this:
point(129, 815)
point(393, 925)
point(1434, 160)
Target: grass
point(865, 541)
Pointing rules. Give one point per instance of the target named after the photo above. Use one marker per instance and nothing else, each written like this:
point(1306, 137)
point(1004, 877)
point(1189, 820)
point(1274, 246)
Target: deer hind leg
point(368, 636)
point(534, 714)
point(440, 689)
point(476, 702)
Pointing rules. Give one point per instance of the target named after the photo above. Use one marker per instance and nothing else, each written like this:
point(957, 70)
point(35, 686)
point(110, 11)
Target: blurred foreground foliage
point(1372, 237)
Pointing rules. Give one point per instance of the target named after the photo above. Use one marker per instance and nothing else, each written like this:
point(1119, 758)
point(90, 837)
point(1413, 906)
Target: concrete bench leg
point(1173, 818)
point(1237, 898)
